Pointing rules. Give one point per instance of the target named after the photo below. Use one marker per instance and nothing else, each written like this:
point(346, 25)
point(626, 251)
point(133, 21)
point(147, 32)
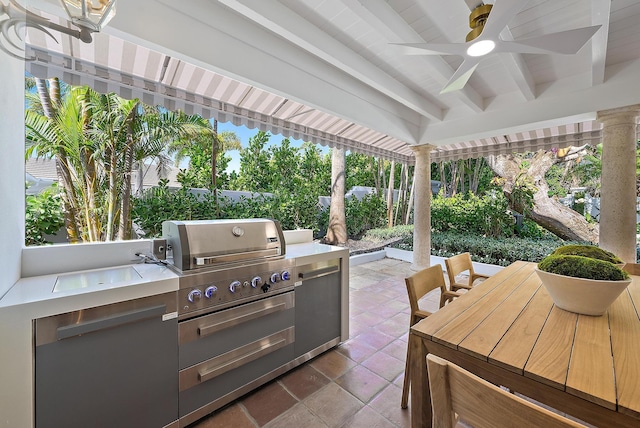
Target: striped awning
point(575, 134)
point(110, 64)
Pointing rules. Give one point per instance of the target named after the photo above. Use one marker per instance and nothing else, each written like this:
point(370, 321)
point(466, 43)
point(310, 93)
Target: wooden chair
point(632, 268)
point(455, 266)
point(418, 285)
point(457, 393)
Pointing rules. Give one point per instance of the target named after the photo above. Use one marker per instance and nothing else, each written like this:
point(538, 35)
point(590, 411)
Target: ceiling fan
point(487, 22)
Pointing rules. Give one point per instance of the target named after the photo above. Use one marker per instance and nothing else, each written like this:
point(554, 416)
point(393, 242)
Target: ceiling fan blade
point(564, 42)
point(431, 48)
point(501, 13)
point(461, 76)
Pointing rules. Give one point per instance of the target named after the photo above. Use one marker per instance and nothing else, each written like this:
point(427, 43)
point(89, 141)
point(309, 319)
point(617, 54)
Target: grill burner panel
point(241, 278)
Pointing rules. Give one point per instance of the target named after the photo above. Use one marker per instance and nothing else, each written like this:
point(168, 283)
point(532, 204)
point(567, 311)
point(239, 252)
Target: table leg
point(420, 395)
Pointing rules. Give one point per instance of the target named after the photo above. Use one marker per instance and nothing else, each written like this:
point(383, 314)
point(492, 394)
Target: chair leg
point(407, 378)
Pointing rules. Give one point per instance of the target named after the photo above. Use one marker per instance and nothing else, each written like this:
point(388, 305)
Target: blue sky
point(245, 133)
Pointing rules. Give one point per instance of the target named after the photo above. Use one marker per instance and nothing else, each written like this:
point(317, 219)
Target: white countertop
point(38, 291)
point(312, 251)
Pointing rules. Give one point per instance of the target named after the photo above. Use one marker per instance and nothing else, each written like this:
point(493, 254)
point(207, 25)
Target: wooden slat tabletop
point(510, 321)
point(625, 342)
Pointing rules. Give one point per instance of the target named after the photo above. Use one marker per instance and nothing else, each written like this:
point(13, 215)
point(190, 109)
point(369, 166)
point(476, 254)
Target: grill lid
point(200, 244)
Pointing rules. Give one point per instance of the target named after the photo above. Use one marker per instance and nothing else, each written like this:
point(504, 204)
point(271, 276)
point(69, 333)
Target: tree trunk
point(390, 194)
point(547, 212)
point(410, 203)
point(214, 166)
point(475, 179)
point(337, 230)
point(62, 163)
point(89, 170)
point(139, 179)
point(454, 178)
point(124, 229)
point(384, 177)
point(401, 190)
point(443, 178)
point(376, 175)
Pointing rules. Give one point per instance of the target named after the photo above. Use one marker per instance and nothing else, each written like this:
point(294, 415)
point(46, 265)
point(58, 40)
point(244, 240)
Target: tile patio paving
point(356, 384)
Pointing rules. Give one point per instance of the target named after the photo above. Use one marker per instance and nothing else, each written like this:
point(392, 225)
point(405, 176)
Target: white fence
point(592, 205)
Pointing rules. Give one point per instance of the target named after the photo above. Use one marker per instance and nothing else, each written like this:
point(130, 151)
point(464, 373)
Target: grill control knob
point(275, 277)
point(256, 281)
point(285, 275)
point(208, 292)
point(194, 295)
point(233, 285)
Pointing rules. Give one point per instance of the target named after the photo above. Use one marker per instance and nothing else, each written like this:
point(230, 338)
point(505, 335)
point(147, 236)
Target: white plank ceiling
point(326, 70)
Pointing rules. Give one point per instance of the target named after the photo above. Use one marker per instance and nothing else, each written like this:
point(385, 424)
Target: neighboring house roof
point(46, 169)
point(41, 168)
point(152, 178)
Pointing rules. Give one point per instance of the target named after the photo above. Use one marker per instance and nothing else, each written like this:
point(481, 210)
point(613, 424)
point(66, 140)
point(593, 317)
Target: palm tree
point(52, 127)
point(96, 138)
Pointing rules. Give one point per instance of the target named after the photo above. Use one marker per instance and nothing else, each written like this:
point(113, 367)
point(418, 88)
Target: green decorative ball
point(587, 251)
point(582, 267)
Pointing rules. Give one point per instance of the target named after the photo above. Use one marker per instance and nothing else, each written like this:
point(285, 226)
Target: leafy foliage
point(44, 216)
point(484, 215)
point(95, 139)
point(294, 211)
point(402, 231)
point(484, 249)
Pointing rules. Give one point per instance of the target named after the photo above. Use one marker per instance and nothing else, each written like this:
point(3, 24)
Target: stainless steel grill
point(222, 263)
point(245, 313)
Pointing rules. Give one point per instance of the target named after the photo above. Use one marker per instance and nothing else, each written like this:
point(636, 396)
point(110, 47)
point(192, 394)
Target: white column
point(16, 385)
point(11, 163)
point(618, 182)
point(422, 208)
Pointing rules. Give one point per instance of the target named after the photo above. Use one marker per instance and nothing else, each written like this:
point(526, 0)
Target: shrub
point(362, 215)
point(44, 216)
point(467, 213)
point(161, 203)
point(582, 267)
point(495, 251)
point(379, 235)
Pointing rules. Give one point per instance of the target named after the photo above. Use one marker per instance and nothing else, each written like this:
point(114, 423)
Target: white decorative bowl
point(581, 295)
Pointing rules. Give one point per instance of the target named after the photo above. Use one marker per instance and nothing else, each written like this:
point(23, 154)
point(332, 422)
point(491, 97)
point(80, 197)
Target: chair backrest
point(632, 268)
point(422, 282)
point(480, 403)
point(457, 264)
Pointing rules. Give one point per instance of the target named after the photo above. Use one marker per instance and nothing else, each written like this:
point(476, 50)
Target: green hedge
point(496, 251)
point(293, 211)
point(361, 214)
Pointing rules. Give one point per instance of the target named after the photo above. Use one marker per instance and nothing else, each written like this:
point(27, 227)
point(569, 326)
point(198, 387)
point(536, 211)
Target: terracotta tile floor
point(356, 384)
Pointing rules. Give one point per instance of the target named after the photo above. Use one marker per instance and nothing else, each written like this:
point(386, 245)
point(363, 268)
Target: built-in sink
point(100, 277)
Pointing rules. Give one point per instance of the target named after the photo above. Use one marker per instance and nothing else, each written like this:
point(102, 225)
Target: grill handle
point(65, 332)
point(212, 328)
point(203, 261)
point(245, 354)
point(318, 272)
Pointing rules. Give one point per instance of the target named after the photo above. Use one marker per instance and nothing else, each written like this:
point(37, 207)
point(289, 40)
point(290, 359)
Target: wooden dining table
point(507, 331)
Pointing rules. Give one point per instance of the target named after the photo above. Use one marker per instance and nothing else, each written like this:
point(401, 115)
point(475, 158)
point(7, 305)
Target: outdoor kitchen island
point(32, 298)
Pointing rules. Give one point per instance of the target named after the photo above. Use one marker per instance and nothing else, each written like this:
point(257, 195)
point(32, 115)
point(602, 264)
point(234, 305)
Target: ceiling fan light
point(90, 14)
point(481, 48)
